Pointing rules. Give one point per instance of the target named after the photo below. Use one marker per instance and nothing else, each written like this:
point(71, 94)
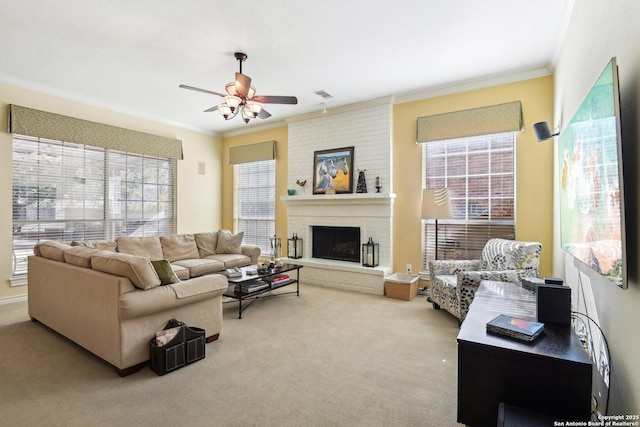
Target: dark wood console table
point(552, 375)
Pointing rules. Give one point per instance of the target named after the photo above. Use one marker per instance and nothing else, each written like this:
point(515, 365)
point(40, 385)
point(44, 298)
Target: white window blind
point(255, 202)
point(66, 191)
point(479, 172)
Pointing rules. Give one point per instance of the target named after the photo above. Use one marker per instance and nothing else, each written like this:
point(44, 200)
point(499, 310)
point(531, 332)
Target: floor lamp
point(436, 205)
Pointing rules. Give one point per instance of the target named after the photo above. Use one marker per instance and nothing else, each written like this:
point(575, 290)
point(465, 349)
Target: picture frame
point(333, 171)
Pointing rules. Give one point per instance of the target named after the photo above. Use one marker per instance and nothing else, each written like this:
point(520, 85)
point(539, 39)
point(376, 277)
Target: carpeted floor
point(326, 358)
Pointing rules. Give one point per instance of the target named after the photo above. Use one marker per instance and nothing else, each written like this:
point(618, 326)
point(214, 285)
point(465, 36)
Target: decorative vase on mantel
point(362, 182)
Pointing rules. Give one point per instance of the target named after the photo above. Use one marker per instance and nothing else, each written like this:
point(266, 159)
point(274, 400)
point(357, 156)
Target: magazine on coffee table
point(514, 327)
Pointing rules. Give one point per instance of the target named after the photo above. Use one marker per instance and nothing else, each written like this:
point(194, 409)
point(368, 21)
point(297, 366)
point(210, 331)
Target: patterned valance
point(477, 121)
point(252, 153)
point(42, 124)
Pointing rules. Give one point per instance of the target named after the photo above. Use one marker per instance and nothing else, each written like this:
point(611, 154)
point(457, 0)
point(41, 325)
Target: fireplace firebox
point(336, 243)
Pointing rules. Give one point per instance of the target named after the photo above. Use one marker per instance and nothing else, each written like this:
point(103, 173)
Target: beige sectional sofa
point(110, 297)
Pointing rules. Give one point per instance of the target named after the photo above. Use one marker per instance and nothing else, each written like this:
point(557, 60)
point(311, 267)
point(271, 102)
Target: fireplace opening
point(336, 243)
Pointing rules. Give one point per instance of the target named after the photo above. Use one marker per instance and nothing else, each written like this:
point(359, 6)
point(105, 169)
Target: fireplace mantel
point(350, 198)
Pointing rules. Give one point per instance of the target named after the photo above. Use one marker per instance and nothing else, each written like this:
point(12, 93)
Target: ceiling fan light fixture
point(233, 102)
point(251, 92)
point(231, 89)
point(240, 97)
point(226, 112)
point(246, 114)
point(253, 108)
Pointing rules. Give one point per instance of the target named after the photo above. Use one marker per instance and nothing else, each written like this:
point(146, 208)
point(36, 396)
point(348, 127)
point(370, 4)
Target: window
point(65, 191)
point(255, 202)
point(480, 174)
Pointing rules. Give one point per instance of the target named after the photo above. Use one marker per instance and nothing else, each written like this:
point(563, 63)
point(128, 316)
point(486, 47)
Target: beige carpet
point(326, 358)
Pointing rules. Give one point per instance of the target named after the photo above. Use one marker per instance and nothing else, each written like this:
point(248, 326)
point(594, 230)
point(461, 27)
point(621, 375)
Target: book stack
point(252, 286)
point(278, 280)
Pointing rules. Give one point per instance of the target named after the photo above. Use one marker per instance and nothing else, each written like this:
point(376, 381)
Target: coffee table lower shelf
point(234, 292)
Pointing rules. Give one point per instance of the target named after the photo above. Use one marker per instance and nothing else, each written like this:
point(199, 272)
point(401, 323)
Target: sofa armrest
point(251, 251)
point(452, 267)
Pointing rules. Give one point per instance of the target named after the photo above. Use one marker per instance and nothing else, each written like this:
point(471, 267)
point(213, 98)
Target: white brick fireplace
point(367, 128)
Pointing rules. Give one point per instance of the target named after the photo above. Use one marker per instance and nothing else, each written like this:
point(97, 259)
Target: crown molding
point(472, 85)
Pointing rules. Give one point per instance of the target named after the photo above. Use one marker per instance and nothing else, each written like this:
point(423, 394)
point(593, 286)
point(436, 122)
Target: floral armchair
point(454, 282)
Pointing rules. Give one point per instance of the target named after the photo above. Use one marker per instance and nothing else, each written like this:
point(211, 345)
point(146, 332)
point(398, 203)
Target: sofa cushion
point(180, 246)
point(181, 272)
point(148, 247)
point(164, 271)
point(51, 249)
point(136, 268)
point(80, 256)
point(207, 243)
point(231, 260)
point(200, 266)
point(229, 243)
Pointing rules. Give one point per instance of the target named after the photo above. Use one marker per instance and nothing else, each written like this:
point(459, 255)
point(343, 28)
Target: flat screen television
point(591, 181)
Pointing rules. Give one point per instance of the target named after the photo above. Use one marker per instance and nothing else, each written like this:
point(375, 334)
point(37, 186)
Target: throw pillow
point(165, 272)
point(82, 243)
point(137, 269)
point(207, 243)
point(229, 243)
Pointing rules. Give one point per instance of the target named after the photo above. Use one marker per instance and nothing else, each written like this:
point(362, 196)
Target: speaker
point(553, 303)
point(531, 283)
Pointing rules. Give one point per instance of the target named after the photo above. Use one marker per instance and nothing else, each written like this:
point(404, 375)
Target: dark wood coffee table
point(241, 289)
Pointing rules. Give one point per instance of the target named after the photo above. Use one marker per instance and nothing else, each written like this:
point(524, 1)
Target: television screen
point(591, 185)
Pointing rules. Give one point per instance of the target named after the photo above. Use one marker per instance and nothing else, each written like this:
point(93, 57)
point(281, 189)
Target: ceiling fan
point(241, 97)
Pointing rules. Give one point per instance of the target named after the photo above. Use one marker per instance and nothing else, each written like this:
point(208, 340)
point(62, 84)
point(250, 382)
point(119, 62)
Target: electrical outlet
point(409, 268)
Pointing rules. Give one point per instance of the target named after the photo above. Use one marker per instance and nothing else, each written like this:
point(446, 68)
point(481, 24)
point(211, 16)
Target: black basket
point(185, 348)
point(194, 344)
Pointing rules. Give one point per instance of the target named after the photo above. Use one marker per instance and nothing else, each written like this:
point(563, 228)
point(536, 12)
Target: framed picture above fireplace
point(332, 171)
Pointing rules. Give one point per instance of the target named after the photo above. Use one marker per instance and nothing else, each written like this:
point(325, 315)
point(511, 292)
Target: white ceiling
point(131, 55)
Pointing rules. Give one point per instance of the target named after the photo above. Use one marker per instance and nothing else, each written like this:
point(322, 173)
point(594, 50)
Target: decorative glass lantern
point(275, 249)
point(294, 247)
point(370, 253)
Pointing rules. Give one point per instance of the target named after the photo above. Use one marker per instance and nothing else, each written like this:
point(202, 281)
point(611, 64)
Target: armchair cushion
point(502, 254)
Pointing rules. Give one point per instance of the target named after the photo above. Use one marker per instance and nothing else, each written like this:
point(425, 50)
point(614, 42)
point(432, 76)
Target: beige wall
point(598, 31)
point(281, 136)
point(198, 195)
point(534, 166)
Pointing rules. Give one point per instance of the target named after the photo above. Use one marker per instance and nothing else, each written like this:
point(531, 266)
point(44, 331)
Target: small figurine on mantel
point(362, 182)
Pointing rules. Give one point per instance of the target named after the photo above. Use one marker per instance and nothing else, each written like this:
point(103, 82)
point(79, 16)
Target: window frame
point(465, 234)
point(80, 214)
point(257, 229)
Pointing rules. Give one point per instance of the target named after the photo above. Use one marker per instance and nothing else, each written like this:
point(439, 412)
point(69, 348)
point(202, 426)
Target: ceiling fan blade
point(264, 114)
point(276, 99)
point(211, 109)
point(200, 90)
point(243, 83)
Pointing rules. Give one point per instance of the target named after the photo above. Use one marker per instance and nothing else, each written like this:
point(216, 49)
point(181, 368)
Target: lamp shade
point(436, 204)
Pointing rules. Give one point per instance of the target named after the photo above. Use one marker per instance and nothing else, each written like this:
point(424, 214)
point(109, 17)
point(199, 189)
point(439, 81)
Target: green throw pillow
point(165, 272)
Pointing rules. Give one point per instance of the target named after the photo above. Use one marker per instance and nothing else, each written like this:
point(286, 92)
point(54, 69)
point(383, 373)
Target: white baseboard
point(11, 300)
